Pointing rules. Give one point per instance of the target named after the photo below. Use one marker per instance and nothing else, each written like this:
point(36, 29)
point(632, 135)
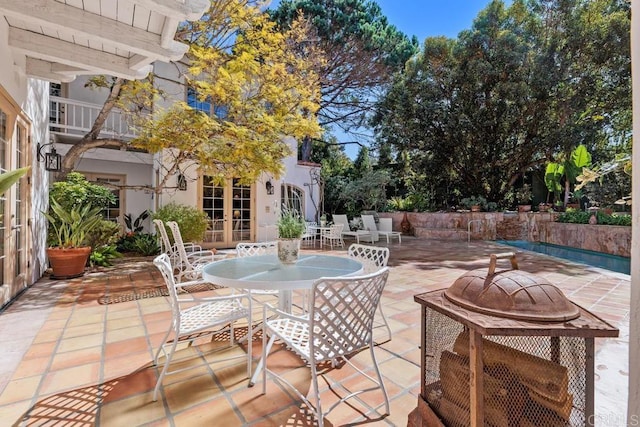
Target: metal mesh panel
point(528, 381)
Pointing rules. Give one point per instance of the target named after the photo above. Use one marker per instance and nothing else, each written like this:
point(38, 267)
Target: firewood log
point(563, 409)
point(547, 378)
point(504, 398)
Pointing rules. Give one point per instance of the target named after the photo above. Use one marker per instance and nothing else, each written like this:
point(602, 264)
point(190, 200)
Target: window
point(195, 102)
point(115, 211)
point(292, 198)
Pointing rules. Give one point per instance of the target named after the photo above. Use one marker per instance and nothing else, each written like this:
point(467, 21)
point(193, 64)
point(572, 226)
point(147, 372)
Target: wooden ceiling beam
point(54, 50)
point(183, 10)
point(44, 70)
point(63, 18)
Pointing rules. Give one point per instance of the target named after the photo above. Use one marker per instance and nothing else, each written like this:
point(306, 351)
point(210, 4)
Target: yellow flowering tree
point(240, 61)
point(266, 88)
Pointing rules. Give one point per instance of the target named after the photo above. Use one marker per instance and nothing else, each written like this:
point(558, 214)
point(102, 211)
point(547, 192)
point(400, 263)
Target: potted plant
point(524, 196)
point(68, 252)
point(474, 203)
point(291, 227)
point(323, 220)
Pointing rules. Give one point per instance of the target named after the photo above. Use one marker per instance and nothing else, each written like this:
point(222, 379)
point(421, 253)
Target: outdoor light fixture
point(269, 187)
point(52, 160)
point(182, 182)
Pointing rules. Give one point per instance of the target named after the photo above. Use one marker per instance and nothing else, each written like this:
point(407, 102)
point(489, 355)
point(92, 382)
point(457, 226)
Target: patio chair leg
point(164, 369)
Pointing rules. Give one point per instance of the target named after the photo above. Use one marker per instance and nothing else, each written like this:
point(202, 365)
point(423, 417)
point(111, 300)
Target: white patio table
point(266, 272)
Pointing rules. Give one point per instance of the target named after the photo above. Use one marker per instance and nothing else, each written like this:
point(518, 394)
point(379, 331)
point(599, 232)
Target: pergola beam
point(183, 10)
point(54, 50)
point(60, 17)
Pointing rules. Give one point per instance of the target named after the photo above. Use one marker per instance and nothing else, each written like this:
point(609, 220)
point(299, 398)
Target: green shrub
point(103, 255)
point(467, 202)
point(75, 190)
point(146, 244)
point(580, 217)
point(106, 233)
point(192, 221)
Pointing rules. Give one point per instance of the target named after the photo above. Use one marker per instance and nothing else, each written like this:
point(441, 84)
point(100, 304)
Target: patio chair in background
point(246, 249)
point(310, 232)
point(166, 246)
point(385, 228)
point(333, 234)
point(195, 317)
point(370, 225)
point(346, 229)
point(334, 329)
point(373, 258)
point(189, 265)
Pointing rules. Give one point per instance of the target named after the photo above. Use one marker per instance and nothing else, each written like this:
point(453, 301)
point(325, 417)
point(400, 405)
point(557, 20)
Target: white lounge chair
point(346, 229)
point(385, 229)
point(370, 226)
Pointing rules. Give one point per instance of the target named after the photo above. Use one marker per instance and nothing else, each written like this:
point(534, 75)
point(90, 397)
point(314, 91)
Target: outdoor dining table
point(266, 272)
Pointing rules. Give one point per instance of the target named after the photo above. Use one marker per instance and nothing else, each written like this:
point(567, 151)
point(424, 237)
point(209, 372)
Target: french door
point(231, 210)
point(15, 202)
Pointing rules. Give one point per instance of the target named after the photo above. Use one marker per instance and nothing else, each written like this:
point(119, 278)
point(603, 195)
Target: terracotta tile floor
point(68, 359)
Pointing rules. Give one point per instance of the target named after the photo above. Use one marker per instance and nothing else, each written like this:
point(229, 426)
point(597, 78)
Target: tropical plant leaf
point(7, 179)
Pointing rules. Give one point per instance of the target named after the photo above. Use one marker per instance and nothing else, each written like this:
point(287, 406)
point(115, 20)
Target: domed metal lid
point(512, 294)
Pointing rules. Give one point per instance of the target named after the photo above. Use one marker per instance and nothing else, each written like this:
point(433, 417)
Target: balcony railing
point(71, 117)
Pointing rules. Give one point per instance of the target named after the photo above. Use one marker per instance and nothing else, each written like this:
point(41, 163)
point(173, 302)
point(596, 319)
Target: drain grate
point(160, 291)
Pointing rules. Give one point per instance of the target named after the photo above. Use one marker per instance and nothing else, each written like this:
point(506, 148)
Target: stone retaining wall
point(531, 226)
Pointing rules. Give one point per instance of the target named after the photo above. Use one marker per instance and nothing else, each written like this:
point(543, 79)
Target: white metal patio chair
point(309, 235)
point(369, 223)
point(338, 325)
point(195, 317)
point(254, 249)
point(385, 228)
point(373, 258)
point(189, 265)
point(166, 246)
point(332, 235)
point(346, 229)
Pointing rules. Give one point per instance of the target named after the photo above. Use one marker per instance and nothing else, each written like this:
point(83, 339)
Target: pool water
point(595, 259)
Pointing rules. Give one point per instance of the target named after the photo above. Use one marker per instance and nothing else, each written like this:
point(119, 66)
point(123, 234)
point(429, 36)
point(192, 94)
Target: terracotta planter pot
point(68, 263)
point(524, 208)
point(405, 225)
point(476, 208)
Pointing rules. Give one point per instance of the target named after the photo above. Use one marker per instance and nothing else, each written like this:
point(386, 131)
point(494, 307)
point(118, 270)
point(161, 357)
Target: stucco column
point(633, 412)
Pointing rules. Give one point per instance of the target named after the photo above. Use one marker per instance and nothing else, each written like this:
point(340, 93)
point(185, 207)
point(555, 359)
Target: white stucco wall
point(36, 106)
point(33, 98)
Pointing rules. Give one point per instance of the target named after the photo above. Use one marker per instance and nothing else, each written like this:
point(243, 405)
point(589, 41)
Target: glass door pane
point(230, 209)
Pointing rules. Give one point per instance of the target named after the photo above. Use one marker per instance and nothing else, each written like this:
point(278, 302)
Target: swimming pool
point(595, 259)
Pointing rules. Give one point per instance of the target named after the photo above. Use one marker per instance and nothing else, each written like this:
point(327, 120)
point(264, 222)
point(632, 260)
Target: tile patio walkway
point(67, 359)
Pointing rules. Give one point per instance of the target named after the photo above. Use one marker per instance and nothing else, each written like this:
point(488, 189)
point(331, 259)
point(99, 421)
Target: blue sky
point(425, 18)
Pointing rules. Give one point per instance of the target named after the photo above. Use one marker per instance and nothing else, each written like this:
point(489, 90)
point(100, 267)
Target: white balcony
point(71, 118)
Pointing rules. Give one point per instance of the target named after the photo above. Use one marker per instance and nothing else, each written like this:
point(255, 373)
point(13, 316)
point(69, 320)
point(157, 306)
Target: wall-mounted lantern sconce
point(52, 160)
point(269, 187)
point(182, 182)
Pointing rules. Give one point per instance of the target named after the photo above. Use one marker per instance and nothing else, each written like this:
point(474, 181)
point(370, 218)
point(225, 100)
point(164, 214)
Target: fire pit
point(506, 348)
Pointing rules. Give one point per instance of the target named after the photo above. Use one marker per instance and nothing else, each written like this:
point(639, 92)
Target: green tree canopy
point(525, 84)
point(362, 52)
